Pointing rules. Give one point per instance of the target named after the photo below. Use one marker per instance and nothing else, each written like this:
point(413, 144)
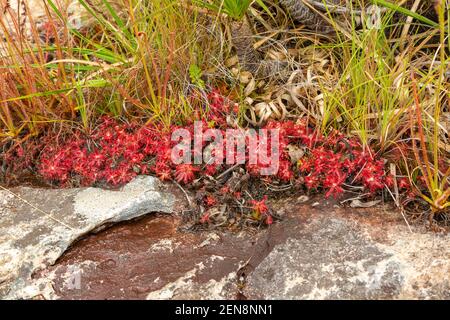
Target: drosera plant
point(123, 58)
point(33, 91)
point(377, 100)
point(260, 210)
point(115, 152)
point(434, 172)
point(436, 182)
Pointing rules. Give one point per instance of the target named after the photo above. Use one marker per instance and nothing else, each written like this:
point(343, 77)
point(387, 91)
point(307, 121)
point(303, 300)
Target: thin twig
point(184, 191)
point(227, 171)
point(400, 207)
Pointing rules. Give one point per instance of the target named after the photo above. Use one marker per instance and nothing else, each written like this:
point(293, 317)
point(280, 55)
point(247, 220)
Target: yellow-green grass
point(132, 61)
point(392, 89)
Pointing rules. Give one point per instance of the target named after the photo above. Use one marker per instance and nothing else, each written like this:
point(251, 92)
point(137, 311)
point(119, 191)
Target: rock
point(186, 288)
point(321, 252)
point(150, 259)
point(38, 225)
point(333, 257)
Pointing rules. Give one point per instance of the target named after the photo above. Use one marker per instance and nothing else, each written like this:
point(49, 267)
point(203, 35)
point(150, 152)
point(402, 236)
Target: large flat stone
point(149, 259)
point(38, 225)
point(334, 256)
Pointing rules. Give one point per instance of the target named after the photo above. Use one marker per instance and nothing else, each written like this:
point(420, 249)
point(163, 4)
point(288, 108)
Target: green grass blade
point(406, 12)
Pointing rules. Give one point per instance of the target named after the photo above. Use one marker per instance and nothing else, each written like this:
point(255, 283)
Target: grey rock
point(38, 225)
point(336, 258)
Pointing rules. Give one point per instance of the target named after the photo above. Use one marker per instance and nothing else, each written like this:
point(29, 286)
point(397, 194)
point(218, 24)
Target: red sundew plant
point(403, 184)
point(210, 201)
point(114, 153)
point(163, 171)
point(204, 218)
point(185, 173)
point(259, 207)
point(260, 210)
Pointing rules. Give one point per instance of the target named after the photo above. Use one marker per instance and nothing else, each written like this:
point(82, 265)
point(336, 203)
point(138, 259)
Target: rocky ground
point(54, 244)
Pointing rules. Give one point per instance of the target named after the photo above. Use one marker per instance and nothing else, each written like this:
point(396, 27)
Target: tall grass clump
point(32, 90)
point(393, 90)
point(371, 96)
point(124, 58)
point(428, 127)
